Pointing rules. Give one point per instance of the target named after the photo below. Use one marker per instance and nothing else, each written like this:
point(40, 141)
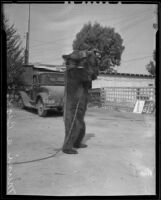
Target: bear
point(81, 68)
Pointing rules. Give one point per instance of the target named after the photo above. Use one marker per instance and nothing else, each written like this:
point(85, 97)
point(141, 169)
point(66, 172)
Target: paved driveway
point(119, 160)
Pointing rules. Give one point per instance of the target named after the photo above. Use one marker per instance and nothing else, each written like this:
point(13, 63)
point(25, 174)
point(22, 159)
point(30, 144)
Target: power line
point(43, 60)
point(48, 56)
point(139, 58)
point(135, 35)
point(129, 17)
point(51, 42)
point(134, 23)
point(49, 51)
point(70, 47)
point(123, 61)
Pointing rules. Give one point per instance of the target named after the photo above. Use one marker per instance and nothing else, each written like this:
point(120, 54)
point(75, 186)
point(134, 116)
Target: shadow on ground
point(50, 113)
point(88, 136)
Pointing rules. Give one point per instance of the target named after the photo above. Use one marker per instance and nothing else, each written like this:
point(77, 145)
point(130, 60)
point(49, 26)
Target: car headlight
point(50, 96)
point(51, 101)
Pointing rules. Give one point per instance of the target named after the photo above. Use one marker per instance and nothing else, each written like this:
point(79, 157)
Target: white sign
point(139, 106)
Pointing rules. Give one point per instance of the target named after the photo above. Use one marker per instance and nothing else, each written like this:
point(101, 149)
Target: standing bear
point(81, 69)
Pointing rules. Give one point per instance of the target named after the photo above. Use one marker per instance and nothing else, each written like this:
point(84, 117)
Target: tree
point(104, 39)
point(151, 66)
point(14, 54)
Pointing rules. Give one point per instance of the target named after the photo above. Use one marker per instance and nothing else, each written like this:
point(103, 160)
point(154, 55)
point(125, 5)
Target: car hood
point(55, 91)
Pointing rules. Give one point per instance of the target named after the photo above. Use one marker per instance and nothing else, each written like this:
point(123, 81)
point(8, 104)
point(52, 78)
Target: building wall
point(121, 81)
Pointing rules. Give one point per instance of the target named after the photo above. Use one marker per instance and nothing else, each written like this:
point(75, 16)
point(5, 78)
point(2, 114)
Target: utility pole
point(27, 41)
point(155, 25)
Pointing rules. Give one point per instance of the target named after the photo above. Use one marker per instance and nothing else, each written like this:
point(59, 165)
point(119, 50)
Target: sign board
point(148, 107)
point(139, 106)
point(145, 107)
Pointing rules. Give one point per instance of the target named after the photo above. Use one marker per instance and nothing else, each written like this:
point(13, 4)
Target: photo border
point(4, 105)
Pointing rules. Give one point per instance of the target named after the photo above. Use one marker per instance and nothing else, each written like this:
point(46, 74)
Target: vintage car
point(45, 93)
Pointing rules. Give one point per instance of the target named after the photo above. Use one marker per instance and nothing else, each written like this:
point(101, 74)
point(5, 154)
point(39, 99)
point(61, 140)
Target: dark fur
point(78, 82)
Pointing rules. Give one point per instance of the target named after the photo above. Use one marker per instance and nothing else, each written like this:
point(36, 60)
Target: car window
point(34, 80)
point(51, 79)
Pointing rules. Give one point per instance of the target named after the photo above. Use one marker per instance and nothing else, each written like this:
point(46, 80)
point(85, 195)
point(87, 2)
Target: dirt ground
point(119, 159)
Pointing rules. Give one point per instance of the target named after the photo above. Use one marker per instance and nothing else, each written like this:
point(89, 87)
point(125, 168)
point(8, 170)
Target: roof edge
point(126, 74)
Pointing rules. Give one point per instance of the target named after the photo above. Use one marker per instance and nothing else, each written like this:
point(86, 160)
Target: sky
point(53, 27)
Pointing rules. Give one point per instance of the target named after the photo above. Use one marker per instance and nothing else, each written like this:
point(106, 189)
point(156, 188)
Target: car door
point(35, 88)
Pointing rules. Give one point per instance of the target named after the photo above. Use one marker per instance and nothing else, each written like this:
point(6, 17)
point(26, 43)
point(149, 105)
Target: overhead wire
point(122, 61)
point(129, 17)
point(51, 42)
point(134, 59)
point(135, 22)
point(49, 48)
point(40, 50)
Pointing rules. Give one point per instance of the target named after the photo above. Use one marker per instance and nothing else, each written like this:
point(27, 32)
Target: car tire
point(40, 108)
point(20, 103)
point(61, 111)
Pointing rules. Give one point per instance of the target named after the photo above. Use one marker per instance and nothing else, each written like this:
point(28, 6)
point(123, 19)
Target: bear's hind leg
point(78, 143)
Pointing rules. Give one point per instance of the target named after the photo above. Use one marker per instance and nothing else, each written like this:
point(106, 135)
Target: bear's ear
point(66, 57)
point(75, 55)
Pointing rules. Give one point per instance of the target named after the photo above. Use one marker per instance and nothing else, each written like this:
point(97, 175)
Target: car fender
point(26, 99)
point(43, 96)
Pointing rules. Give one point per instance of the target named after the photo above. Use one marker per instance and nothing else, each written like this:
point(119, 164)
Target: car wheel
point(61, 111)
point(20, 103)
point(40, 108)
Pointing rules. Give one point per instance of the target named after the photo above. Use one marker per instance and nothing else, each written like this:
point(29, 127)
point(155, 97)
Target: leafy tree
point(151, 66)
point(104, 39)
point(14, 54)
